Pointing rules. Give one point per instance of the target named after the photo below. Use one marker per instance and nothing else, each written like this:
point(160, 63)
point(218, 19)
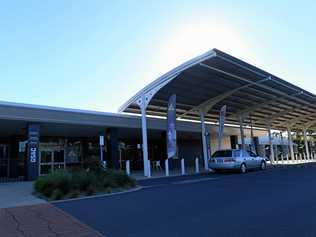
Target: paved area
point(276, 202)
point(17, 194)
point(42, 220)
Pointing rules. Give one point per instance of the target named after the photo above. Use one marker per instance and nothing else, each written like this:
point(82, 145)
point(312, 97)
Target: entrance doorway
point(51, 160)
point(4, 162)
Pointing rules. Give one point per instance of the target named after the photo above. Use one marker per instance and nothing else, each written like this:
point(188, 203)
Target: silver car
point(236, 160)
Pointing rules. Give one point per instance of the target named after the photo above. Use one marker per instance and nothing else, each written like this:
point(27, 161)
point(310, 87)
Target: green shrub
point(62, 180)
point(80, 180)
point(108, 190)
point(57, 194)
point(62, 183)
point(74, 193)
point(90, 190)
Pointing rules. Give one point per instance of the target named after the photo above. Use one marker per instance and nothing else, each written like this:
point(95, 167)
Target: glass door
point(58, 160)
point(51, 160)
point(46, 162)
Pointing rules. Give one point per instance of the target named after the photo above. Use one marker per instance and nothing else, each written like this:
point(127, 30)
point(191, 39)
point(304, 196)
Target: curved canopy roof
point(215, 79)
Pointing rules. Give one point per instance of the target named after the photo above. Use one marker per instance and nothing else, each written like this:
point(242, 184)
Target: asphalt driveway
point(276, 202)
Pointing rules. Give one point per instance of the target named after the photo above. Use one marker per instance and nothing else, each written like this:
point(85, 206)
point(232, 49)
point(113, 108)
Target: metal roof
point(215, 79)
point(56, 121)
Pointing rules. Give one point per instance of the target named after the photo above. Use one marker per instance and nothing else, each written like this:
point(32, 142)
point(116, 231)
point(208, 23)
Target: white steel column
point(242, 136)
point(282, 146)
point(306, 144)
point(144, 136)
point(276, 153)
point(204, 145)
point(252, 142)
point(290, 143)
point(271, 145)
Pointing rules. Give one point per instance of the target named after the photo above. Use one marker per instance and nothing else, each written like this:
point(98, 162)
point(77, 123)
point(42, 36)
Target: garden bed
point(64, 184)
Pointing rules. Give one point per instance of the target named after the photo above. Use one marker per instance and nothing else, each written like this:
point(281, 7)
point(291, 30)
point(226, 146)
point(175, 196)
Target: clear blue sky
point(96, 54)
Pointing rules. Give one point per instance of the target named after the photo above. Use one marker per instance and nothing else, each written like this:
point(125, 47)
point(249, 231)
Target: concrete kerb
point(137, 188)
point(175, 175)
point(293, 165)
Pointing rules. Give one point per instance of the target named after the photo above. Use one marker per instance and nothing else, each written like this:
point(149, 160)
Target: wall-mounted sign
point(101, 139)
point(33, 151)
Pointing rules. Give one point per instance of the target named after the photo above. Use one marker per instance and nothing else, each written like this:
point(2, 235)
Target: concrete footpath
point(41, 220)
point(17, 194)
point(24, 215)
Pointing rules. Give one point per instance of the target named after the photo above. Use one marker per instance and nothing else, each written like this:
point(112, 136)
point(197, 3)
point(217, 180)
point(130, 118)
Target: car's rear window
point(224, 153)
point(237, 153)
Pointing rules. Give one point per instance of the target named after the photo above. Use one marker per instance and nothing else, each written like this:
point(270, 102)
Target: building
point(38, 139)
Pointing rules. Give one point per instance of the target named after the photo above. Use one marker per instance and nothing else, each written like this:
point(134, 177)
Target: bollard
point(167, 167)
point(287, 158)
point(182, 167)
point(197, 168)
point(300, 156)
point(127, 167)
point(149, 169)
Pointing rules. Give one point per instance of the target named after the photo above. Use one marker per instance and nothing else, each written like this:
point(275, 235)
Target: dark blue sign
point(33, 151)
point(171, 128)
point(221, 126)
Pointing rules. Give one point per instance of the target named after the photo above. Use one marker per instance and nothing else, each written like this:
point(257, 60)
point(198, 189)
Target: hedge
point(69, 184)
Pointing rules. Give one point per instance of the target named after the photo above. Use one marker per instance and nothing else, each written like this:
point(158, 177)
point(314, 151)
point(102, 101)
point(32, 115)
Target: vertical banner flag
point(208, 142)
point(222, 116)
point(171, 127)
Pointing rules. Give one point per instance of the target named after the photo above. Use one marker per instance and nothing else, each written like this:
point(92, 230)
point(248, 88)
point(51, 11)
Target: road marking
point(194, 181)
point(153, 186)
point(137, 188)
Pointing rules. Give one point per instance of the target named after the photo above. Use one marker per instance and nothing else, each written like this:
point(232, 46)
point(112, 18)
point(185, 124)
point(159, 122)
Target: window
point(223, 153)
point(237, 153)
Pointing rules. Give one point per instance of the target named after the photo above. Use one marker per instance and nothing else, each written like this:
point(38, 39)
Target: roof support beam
point(208, 104)
point(275, 116)
point(292, 122)
point(260, 85)
point(259, 106)
point(310, 124)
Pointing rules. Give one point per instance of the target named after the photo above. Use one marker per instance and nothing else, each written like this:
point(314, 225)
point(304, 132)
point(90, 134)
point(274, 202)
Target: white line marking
point(194, 181)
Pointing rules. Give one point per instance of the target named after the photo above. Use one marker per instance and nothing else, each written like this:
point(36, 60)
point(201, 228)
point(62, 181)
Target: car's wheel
point(243, 168)
point(263, 165)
